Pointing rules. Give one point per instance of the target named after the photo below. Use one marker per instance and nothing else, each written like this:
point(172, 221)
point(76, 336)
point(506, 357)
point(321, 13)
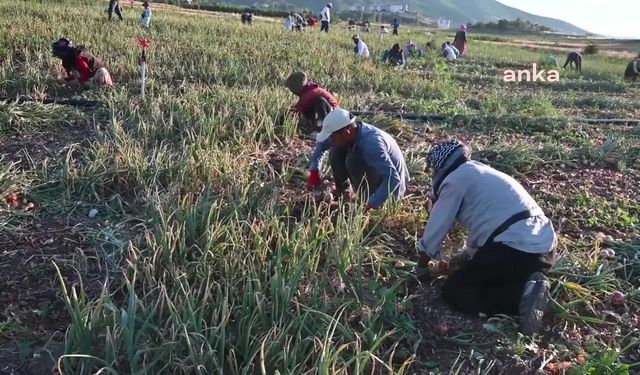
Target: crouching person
point(511, 243)
point(361, 156)
point(82, 67)
point(633, 70)
point(315, 102)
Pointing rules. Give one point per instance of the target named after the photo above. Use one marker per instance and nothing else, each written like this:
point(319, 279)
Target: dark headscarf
point(444, 158)
point(62, 48)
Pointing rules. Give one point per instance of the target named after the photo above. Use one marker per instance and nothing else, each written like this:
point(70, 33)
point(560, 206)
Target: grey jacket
point(481, 199)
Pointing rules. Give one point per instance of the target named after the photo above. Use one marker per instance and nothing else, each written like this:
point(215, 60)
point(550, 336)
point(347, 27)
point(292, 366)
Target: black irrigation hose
point(81, 103)
point(610, 121)
point(434, 117)
point(405, 115)
point(84, 103)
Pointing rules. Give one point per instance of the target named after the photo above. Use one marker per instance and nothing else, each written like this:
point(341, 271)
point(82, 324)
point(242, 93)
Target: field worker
point(246, 18)
point(448, 52)
point(550, 61)
point(460, 40)
point(383, 31)
point(288, 23)
point(361, 48)
point(314, 102)
point(82, 67)
point(362, 156)
point(299, 22)
point(325, 17)
point(455, 50)
point(146, 15)
point(394, 56)
point(114, 6)
point(312, 22)
point(574, 58)
point(395, 25)
point(510, 243)
point(633, 70)
point(412, 50)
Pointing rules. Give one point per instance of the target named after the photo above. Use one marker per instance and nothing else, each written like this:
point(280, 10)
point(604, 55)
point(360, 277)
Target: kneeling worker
point(82, 67)
point(362, 154)
point(633, 70)
point(314, 101)
point(511, 243)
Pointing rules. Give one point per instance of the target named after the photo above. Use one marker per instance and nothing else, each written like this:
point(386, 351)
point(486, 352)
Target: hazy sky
point(617, 18)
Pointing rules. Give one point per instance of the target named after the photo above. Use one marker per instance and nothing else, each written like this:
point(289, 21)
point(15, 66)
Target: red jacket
point(85, 63)
point(310, 93)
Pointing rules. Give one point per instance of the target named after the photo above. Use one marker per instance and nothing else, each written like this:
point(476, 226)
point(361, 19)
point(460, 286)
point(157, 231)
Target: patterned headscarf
point(439, 153)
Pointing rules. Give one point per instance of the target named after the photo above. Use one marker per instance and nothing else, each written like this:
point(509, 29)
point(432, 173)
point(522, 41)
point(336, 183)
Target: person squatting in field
point(550, 61)
point(312, 22)
point(82, 67)
point(449, 52)
point(633, 70)
point(361, 156)
point(411, 50)
point(288, 23)
point(114, 6)
point(394, 56)
point(314, 102)
point(145, 19)
point(460, 40)
point(510, 245)
point(361, 48)
point(574, 58)
point(246, 18)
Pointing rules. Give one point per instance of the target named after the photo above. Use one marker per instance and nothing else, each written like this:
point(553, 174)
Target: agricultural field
point(173, 234)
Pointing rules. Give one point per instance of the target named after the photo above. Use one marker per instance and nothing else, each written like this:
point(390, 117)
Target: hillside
point(459, 11)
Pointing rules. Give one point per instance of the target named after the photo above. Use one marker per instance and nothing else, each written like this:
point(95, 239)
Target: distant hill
point(458, 11)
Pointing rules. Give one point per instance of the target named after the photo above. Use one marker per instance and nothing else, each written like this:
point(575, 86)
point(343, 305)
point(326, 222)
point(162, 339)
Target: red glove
point(314, 179)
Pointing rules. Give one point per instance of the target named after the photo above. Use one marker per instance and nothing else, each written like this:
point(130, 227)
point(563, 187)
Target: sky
point(615, 18)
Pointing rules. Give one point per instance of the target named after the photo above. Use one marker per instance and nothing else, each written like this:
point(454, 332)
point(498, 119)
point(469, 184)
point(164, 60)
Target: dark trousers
point(324, 26)
point(114, 6)
point(348, 166)
point(395, 31)
point(493, 280)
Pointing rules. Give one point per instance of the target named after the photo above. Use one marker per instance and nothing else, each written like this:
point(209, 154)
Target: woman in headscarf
point(394, 56)
point(510, 243)
point(460, 40)
point(81, 66)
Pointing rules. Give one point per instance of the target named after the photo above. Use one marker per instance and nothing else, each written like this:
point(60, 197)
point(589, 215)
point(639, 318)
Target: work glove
point(313, 180)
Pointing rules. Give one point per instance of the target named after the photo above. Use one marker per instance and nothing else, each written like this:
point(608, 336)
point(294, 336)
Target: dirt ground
point(31, 305)
point(605, 50)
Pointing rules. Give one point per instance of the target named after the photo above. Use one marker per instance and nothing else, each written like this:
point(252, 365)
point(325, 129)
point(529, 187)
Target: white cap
point(335, 120)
